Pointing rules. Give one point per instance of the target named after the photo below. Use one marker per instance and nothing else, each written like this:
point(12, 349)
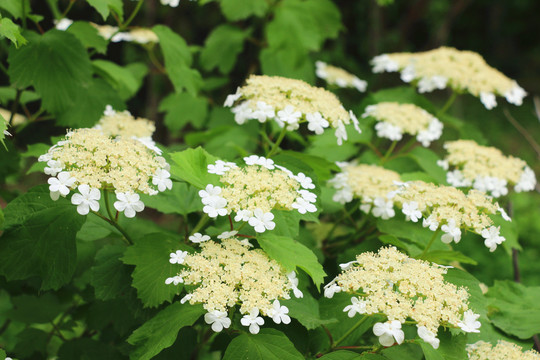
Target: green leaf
point(14, 7)
point(104, 7)
point(89, 36)
point(269, 344)
point(56, 64)
point(403, 352)
point(427, 160)
point(182, 109)
point(306, 311)
point(191, 166)
point(120, 78)
point(30, 309)
point(87, 349)
point(110, 277)
point(510, 231)
point(407, 230)
point(223, 45)
point(446, 257)
point(429, 352)
point(3, 127)
point(150, 255)
point(11, 31)
point(514, 308)
point(30, 341)
point(178, 60)
point(161, 331)
point(403, 95)
point(292, 254)
point(350, 355)
point(183, 199)
point(8, 94)
point(39, 238)
point(235, 10)
point(322, 167)
point(229, 142)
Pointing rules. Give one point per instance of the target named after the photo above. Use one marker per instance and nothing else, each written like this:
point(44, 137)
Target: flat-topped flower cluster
point(254, 190)
point(504, 350)
point(462, 71)
point(401, 288)
point(338, 76)
point(450, 210)
point(485, 168)
point(290, 102)
point(395, 119)
point(223, 275)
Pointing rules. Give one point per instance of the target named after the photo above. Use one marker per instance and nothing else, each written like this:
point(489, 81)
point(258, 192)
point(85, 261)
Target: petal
point(129, 212)
point(83, 208)
point(77, 199)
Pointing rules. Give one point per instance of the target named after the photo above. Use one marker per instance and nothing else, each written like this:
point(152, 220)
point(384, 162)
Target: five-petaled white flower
point(383, 209)
point(357, 306)
point(216, 206)
point(178, 257)
point(411, 211)
point(308, 196)
point(243, 215)
point(305, 181)
point(198, 238)
point(316, 123)
point(218, 320)
point(470, 322)
point(220, 167)
point(232, 98)
point(175, 280)
point(278, 313)
point(260, 160)
point(389, 331)
point(330, 289)
point(428, 336)
point(263, 111)
point(431, 223)
point(451, 232)
point(161, 180)
point(227, 234)
point(294, 285)
point(61, 183)
point(262, 221)
point(53, 167)
point(171, 3)
point(253, 320)
point(86, 200)
point(288, 115)
point(209, 193)
point(303, 206)
point(493, 237)
point(130, 204)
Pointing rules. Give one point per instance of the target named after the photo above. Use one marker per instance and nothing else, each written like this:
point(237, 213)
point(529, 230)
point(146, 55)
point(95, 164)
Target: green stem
point(112, 219)
point(448, 103)
point(356, 326)
point(24, 14)
point(200, 224)
point(374, 149)
point(431, 241)
point(15, 104)
point(132, 16)
point(390, 149)
point(64, 14)
point(278, 141)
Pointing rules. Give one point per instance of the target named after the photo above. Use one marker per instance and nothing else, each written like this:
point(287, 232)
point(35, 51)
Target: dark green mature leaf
point(150, 255)
point(56, 64)
point(30, 309)
point(514, 308)
point(477, 301)
point(191, 166)
point(161, 331)
point(444, 257)
point(321, 167)
point(223, 45)
point(11, 31)
point(410, 231)
point(292, 254)
point(427, 160)
point(350, 355)
point(403, 95)
point(14, 7)
point(182, 199)
point(110, 277)
point(306, 311)
point(8, 94)
point(182, 109)
point(269, 344)
point(287, 61)
point(104, 7)
point(120, 78)
point(39, 238)
point(30, 341)
point(87, 349)
point(229, 142)
point(451, 347)
point(178, 60)
point(403, 352)
point(88, 35)
point(239, 9)
point(429, 352)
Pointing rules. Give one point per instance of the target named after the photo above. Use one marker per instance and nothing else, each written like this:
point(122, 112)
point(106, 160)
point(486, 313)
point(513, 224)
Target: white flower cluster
point(394, 119)
point(503, 350)
point(112, 33)
point(337, 76)
point(253, 191)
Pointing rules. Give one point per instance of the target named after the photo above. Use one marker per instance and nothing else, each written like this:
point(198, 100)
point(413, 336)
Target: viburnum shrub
point(228, 179)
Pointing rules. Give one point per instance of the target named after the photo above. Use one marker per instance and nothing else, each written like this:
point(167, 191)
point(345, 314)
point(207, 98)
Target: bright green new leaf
point(11, 31)
point(161, 331)
point(427, 160)
point(120, 78)
point(150, 255)
point(191, 166)
point(104, 7)
point(110, 277)
point(306, 311)
point(14, 7)
point(55, 64)
point(178, 60)
point(89, 36)
point(223, 45)
point(235, 10)
point(445, 257)
point(184, 108)
point(182, 199)
point(269, 344)
point(39, 238)
point(292, 254)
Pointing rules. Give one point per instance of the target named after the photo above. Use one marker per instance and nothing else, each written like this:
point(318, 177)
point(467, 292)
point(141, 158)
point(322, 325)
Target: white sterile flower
point(246, 242)
point(358, 306)
point(389, 331)
point(232, 98)
point(383, 209)
point(432, 83)
point(130, 204)
point(348, 265)
point(355, 122)
point(340, 133)
point(470, 323)
point(308, 196)
point(109, 111)
point(287, 171)
point(444, 164)
point(365, 207)
point(263, 111)
point(242, 113)
point(178, 257)
point(186, 298)
point(382, 63)
point(149, 143)
point(515, 95)
point(227, 234)
point(161, 180)
point(61, 183)
point(198, 238)
point(303, 206)
point(63, 24)
point(504, 214)
point(408, 74)
point(452, 233)
point(218, 320)
point(305, 181)
point(45, 157)
point(262, 221)
point(330, 289)
point(175, 280)
point(220, 167)
point(209, 193)
point(86, 200)
point(171, 3)
point(411, 211)
point(428, 336)
point(53, 167)
point(243, 215)
point(456, 178)
point(260, 160)
point(320, 70)
point(431, 223)
point(493, 237)
point(388, 131)
point(215, 206)
point(253, 320)
point(289, 115)
point(278, 313)
point(488, 99)
point(527, 181)
point(359, 84)
point(316, 123)
point(294, 284)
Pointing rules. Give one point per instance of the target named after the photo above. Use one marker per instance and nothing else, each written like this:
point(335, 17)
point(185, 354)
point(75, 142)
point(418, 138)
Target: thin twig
point(523, 131)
